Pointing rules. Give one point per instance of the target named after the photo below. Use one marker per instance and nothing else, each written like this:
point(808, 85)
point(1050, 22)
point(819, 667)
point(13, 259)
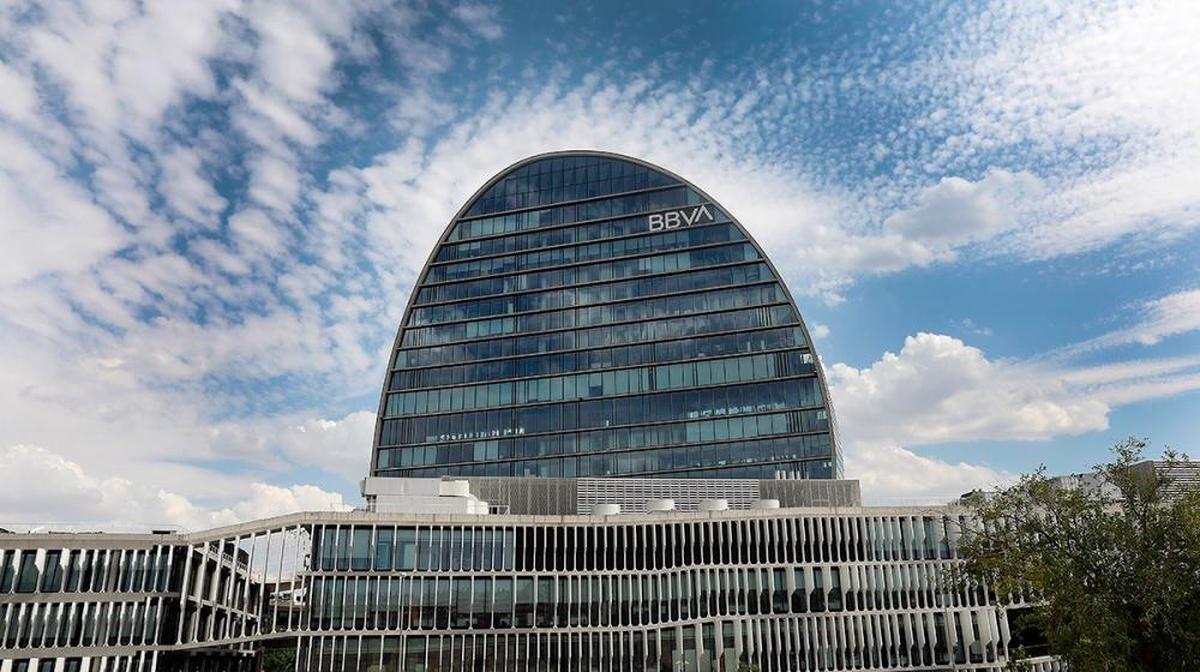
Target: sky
point(212, 213)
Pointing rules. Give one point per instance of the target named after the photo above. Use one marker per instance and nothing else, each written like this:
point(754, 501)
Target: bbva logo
point(677, 218)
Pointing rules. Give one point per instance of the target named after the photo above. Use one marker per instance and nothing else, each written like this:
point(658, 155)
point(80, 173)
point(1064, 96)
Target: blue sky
point(212, 214)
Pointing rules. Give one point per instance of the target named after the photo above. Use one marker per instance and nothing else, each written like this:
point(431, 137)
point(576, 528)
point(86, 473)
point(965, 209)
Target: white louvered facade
point(633, 493)
point(786, 589)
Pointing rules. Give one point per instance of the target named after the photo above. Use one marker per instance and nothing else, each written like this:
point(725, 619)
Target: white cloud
point(1099, 95)
point(294, 56)
point(39, 486)
point(266, 500)
point(480, 18)
point(970, 326)
point(1124, 371)
point(342, 446)
point(420, 110)
point(1156, 320)
point(275, 182)
point(18, 97)
point(893, 475)
point(256, 234)
point(938, 390)
point(955, 211)
point(284, 290)
point(189, 190)
point(1147, 204)
point(135, 414)
point(266, 119)
point(256, 347)
point(123, 64)
point(1160, 318)
point(425, 183)
point(50, 224)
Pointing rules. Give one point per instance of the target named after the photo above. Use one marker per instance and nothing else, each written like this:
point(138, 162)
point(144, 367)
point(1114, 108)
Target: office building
point(604, 443)
point(592, 315)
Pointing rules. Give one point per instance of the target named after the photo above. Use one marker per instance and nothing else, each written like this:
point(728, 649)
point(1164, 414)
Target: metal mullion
point(266, 605)
point(112, 633)
point(307, 650)
point(296, 576)
point(283, 532)
point(183, 592)
point(344, 592)
point(22, 620)
point(383, 597)
point(227, 598)
point(159, 616)
point(125, 612)
point(211, 589)
point(167, 567)
point(358, 652)
point(244, 603)
point(63, 622)
point(145, 623)
point(262, 598)
point(201, 589)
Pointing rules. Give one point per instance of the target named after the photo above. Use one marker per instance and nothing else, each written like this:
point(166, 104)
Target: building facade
point(1179, 478)
point(584, 316)
point(587, 314)
point(784, 589)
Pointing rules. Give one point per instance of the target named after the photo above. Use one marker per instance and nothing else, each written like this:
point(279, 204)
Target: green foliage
point(744, 666)
point(1113, 572)
point(279, 660)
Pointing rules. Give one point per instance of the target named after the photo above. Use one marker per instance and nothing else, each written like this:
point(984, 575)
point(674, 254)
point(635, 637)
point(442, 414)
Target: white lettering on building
point(677, 218)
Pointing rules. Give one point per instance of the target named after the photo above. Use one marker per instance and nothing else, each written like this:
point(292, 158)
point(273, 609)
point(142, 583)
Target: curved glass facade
point(588, 314)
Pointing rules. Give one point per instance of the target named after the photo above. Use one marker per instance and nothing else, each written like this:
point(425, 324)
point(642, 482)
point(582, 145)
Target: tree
point(279, 660)
point(1112, 569)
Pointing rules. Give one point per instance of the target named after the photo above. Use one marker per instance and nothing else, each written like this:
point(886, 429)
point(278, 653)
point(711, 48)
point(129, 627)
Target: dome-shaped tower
point(589, 314)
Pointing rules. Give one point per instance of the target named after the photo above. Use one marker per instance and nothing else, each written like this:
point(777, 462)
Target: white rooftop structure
point(420, 495)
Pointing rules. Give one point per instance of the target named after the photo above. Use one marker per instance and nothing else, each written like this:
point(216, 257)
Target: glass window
point(523, 603)
point(27, 577)
point(503, 605)
point(460, 614)
point(481, 608)
point(53, 574)
point(424, 548)
point(383, 548)
point(74, 571)
point(7, 570)
point(360, 549)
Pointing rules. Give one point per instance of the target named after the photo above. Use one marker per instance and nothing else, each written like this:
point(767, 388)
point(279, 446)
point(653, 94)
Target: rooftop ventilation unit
point(714, 505)
point(658, 505)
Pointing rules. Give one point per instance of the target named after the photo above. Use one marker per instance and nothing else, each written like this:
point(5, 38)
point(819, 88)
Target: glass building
point(585, 315)
point(783, 590)
point(588, 314)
